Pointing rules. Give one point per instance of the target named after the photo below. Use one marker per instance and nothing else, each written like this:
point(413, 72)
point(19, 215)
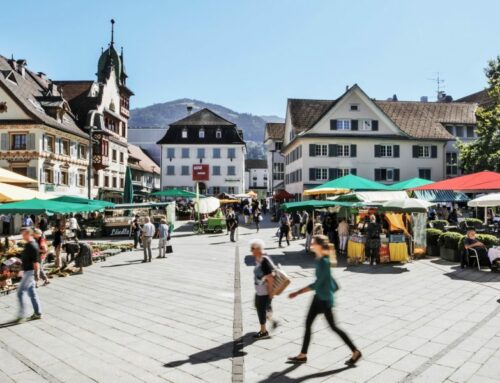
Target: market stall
point(344, 185)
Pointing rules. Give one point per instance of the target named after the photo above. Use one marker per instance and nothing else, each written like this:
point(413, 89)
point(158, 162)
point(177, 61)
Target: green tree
point(484, 152)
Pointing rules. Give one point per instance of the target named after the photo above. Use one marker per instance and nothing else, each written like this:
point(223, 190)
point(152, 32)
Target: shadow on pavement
point(280, 376)
point(293, 258)
point(386, 268)
point(473, 275)
point(224, 351)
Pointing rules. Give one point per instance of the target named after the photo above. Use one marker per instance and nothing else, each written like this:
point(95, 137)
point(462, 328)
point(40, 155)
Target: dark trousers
point(137, 238)
point(482, 253)
point(233, 231)
point(284, 230)
point(322, 307)
point(263, 306)
point(372, 254)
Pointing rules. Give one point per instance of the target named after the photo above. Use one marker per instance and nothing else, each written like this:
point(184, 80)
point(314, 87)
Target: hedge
point(488, 240)
point(450, 240)
point(432, 236)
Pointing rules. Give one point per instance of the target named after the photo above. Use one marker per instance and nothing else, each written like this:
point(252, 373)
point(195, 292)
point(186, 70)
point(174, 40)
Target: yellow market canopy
point(10, 177)
point(12, 193)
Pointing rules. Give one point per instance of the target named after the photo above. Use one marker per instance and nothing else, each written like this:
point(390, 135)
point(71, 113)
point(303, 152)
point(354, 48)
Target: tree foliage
point(484, 152)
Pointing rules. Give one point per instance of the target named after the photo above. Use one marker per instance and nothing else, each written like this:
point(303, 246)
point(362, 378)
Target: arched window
point(201, 133)
point(218, 133)
point(184, 133)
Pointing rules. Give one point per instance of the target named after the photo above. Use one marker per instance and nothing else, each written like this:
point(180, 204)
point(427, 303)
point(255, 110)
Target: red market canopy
point(282, 195)
point(485, 181)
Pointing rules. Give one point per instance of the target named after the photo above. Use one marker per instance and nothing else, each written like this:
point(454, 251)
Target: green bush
point(439, 224)
point(488, 240)
point(450, 240)
point(432, 236)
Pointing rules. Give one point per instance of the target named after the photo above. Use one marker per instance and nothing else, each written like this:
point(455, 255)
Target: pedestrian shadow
point(385, 268)
point(473, 275)
point(280, 376)
point(227, 350)
point(290, 258)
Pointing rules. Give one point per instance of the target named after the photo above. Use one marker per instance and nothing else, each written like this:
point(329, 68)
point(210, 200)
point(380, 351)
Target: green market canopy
point(410, 184)
point(48, 207)
point(175, 193)
point(73, 199)
point(316, 204)
point(345, 184)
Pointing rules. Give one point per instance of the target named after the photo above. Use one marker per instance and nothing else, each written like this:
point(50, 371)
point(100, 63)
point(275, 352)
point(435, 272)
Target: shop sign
point(201, 172)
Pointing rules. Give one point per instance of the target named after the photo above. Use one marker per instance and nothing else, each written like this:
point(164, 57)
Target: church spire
point(112, 31)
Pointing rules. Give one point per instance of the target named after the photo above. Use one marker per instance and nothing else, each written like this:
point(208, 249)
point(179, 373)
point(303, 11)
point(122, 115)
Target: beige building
point(386, 141)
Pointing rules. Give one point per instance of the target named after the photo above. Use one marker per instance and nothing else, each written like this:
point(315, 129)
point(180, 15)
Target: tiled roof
point(33, 92)
point(275, 130)
point(203, 117)
point(482, 98)
point(76, 92)
point(145, 163)
point(305, 113)
point(255, 164)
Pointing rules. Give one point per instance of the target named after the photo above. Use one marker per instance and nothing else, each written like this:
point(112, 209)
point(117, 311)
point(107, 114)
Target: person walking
point(163, 237)
point(309, 233)
point(257, 217)
point(372, 244)
point(73, 225)
point(343, 230)
point(232, 221)
point(28, 222)
point(135, 230)
point(324, 287)
point(263, 281)
point(57, 242)
point(30, 258)
point(284, 228)
point(148, 231)
point(296, 220)
point(303, 224)
point(43, 251)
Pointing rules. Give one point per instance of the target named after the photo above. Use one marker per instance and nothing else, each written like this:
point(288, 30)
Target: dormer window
point(184, 133)
point(354, 107)
point(218, 133)
point(12, 78)
point(201, 133)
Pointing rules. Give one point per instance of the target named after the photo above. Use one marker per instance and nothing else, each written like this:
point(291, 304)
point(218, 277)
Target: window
point(387, 174)
point(343, 150)
point(386, 150)
point(343, 172)
point(170, 170)
point(65, 147)
point(343, 124)
point(231, 190)
point(115, 182)
point(122, 183)
point(321, 174)
point(171, 153)
point(218, 134)
point(354, 107)
point(231, 170)
point(18, 141)
point(201, 153)
point(113, 157)
point(106, 181)
point(96, 179)
point(278, 145)
point(184, 133)
point(255, 184)
point(185, 153)
point(366, 125)
point(450, 130)
point(49, 143)
point(122, 158)
point(22, 170)
point(451, 164)
point(81, 179)
point(216, 153)
point(48, 176)
point(63, 178)
point(459, 131)
point(424, 173)
point(82, 151)
point(215, 190)
point(185, 170)
point(424, 151)
point(321, 150)
point(470, 132)
point(201, 133)
point(231, 153)
point(216, 170)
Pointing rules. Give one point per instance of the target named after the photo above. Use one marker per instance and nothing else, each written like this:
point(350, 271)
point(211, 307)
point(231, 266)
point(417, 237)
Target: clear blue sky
point(253, 55)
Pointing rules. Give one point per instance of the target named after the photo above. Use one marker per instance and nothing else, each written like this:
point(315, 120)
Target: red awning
point(485, 181)
point(282, 195)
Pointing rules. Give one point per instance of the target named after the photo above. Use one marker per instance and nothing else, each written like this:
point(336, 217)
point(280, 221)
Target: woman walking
point(57, 242)
point(324, 287)
point(257, 217)
point(263, 280)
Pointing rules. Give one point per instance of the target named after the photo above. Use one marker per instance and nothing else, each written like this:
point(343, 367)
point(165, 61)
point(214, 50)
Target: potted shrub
point(470, 223)
point(449, 246)
point(488, 240)
point(438, 224)
point(432, 242)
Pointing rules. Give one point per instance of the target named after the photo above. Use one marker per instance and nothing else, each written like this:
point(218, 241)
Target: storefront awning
point(440, 196)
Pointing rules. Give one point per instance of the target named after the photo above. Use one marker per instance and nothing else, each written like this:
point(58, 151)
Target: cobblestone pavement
point(189, 318)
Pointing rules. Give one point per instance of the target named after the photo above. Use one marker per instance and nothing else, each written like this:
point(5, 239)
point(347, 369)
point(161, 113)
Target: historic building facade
point(273, 143)
point(203, 146)
point(257, 176)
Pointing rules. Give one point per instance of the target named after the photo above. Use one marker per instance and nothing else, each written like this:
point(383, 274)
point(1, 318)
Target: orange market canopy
point(9, 177)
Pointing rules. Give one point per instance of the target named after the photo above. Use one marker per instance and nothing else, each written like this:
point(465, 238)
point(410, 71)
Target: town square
point(250, 191)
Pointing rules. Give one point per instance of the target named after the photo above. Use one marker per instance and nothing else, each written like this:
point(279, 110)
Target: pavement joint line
point(238, 358)
point(32, 366)
point(430, 362)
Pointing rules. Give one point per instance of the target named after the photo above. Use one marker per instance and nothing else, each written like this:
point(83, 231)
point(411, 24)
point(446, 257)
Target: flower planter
point(449, 254)
point(433, 250)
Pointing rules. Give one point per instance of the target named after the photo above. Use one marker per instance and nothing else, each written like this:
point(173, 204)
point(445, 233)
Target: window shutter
point(72, 149)
point(374, 125)
point(31, 172)
point(396, 175)
point(312, 150)
point(353, 150)
point(332, 150)
point(332, 173)
point(57, 145)
point(415, 151)
point(5, 141)
point(434, 151)
point(395, 151)
point(56, 177)
point(378, 175)
point(333, 124)
point(377, 150)
point(354, 124)
point(354, 171)
point(312, 174)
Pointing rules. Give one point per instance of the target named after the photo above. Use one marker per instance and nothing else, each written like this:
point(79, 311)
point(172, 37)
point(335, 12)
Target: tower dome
point(109, 58)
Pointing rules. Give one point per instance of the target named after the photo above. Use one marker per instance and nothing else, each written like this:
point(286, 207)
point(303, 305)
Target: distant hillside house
point(273, 142)
point(385, 141)
point(257, 178)
point(203, 146)
point(145, 173)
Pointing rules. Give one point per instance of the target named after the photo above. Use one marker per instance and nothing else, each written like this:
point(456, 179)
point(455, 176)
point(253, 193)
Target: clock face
point(3, 106)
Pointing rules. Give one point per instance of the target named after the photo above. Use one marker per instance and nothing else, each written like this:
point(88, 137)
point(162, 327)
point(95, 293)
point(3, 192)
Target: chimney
point(240, 132)
point(441, 96)
point(42, 75)
point(189, 108)
point(346, 88)
point(13, 63)
point(394, 97)
point(21, 66)
point(424, 99)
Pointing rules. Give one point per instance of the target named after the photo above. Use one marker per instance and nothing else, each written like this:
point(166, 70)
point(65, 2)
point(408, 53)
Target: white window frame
point(321, 174)
point(321, 150)
point(343, 124)
point(184, 133)
point(368, 127)
point(430, 173)
point(341, 172)
point(201, 133)
point(218, 133)
point(424, 151)
point(386, 151)
point(343, 150)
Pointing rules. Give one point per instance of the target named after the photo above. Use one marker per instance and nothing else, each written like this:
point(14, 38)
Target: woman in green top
point(324, 287)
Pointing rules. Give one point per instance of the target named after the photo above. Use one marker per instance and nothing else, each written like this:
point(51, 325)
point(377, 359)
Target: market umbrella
point(174, 193)
point(485, 181)
point(282, 195)
point(410, 184)
point(12, 193)
point(313, 204)
point(409, 205)
point(74, 199)
point(128, 192)
point(10, 177)
point(48, 207)
point(207, 205)
point(486, 200)
point(252, 194)
point(344, 184)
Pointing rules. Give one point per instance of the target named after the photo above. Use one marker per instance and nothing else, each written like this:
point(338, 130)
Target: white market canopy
point(207, 205)
point(10, 177)
point(487, 200)
point(12, 193)
point(375, 197)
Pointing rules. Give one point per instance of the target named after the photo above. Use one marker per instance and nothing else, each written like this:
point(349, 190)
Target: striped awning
point(440, 196)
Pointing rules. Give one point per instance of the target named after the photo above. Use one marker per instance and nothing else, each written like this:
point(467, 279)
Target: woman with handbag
point(324, 287)
point(263, 280)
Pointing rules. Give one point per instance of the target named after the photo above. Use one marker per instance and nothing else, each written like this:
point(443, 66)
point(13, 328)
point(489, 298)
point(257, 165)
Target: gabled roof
point(28, 90)
point(482, 98)
point(204, 117)
point(255, 164)
point(304, 113)
point(145, 163)
point(275, 131)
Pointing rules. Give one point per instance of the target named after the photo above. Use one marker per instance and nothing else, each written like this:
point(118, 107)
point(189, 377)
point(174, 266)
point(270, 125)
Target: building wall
point(261, 180)
point(272, 159)
point(223, 181)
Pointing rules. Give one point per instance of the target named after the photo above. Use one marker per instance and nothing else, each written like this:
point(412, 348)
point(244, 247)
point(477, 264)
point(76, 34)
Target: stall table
point(398, 252)
point(355, 250)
